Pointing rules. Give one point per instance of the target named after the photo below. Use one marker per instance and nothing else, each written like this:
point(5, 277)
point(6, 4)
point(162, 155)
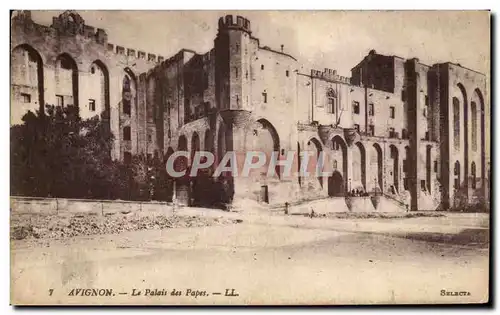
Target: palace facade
point(416, 134)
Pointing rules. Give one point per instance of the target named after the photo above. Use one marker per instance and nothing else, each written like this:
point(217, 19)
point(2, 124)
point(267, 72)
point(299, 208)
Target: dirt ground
point(266, 259)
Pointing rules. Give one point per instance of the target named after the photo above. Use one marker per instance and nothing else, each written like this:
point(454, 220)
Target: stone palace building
point(414, 133)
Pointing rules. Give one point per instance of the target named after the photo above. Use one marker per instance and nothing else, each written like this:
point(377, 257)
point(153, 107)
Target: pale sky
point(318, 39)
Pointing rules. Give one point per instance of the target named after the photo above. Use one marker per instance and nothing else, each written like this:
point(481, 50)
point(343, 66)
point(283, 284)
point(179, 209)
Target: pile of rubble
point(49, 227)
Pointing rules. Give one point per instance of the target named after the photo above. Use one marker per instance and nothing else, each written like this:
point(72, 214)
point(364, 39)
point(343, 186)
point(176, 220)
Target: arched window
point(332, 101)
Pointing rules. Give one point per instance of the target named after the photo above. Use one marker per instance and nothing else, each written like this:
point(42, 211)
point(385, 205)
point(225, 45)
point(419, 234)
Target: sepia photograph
point(250, 157)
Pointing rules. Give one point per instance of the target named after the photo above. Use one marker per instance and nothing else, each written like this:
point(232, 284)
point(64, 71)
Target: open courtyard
point(266, 259)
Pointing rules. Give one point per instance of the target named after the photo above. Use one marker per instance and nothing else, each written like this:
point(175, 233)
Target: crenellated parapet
point(330, 75)
point(133, 53)
point(231, 22)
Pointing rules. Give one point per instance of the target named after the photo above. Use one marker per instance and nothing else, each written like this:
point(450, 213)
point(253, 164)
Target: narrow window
point(473, 174)
point(355, 107)
point(474, 126)
point(92, 105)
point(392, 112)
point(426, 100)
point(26, 98)
point(392, 133)
point(371, 109)
point(435, 166)
point(287, 73)
point(422, 185)
point(371, 130)
point(60, 100)
point(126, 133)
point(456, 123)
point(236, 72)
point(331, 105)
point(264, 97)
point(126, 107)
point(261, 67)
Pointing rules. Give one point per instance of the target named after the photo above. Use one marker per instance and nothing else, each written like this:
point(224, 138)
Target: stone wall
point(31, 205)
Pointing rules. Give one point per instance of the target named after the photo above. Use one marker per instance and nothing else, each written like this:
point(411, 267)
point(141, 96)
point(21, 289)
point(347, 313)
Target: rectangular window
point(371, 130)
point(426, 136)
point(426, 100)
point(403, 95)
point(92, 105)
point(126, 107)
point(371, 109)
point(26, 98)
point(405, 166)
point(264, 97)
point(392, 112)
point(392, 133)
point(60, 100)
point(236, 72)
point(126, 133)
point(261, 67)
point(355, 107)
point(422, 185)
point(435, 166)
point(150, 138)
point(356, 126)
point(287, 73)
point(331, 105)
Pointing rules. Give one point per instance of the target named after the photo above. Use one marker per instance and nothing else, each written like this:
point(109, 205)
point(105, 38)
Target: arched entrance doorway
point(336, 185)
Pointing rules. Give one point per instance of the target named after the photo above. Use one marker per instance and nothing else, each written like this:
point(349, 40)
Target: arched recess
point(314, 148)
point(359, 164)
point(394, 157)
point(66, 80)
point(466, 148)
point(376, 160)
point(129, 92)
point(264, 138)
point(340, 155)
point(26, 78)
point(99, 89)
point(482, 143)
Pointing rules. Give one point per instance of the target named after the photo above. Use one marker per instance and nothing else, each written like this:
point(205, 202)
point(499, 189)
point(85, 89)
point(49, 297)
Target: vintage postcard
point(250, 157)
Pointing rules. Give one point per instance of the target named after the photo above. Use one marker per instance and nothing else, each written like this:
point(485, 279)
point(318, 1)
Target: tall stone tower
point(233, 63)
